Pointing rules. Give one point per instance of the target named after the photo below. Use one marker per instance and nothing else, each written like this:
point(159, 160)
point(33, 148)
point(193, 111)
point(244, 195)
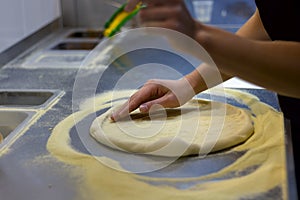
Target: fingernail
point(143, 108)
point(112, 118)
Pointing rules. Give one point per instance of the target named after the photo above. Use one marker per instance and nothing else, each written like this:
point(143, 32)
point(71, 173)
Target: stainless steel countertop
point(20, 177)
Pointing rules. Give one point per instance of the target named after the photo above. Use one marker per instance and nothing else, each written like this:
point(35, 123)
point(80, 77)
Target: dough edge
point(178, 146)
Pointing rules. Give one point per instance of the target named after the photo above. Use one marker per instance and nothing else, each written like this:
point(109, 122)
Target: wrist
point(196, 81)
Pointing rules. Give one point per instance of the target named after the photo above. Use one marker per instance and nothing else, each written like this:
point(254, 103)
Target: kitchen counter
point(27, 169)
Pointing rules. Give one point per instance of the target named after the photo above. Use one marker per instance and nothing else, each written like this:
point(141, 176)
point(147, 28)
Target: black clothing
point(281, 19)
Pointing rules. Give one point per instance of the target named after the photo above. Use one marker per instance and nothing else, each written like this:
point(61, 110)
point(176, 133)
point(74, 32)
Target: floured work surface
point(258, 173)
point(198, 127)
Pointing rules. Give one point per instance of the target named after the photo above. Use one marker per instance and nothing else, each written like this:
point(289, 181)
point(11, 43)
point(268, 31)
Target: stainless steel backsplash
point(88, 13)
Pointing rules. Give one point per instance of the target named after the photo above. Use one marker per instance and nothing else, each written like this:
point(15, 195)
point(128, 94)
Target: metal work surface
point(24, 172)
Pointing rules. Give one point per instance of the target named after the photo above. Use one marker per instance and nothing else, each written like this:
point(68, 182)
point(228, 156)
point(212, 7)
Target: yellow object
point(118, 19)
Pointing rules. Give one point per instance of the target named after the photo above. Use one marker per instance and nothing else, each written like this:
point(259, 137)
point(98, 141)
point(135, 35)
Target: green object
point(119, 19)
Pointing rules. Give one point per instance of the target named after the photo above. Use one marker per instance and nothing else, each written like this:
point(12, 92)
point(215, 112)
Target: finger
point(143, 95)
point(162, 2)
point(127, 108)
point(167, 101)
point(156, 13)
point(131, 4)
point(115, 115)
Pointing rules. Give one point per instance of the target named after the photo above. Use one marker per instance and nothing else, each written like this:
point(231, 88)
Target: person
point(264, 51)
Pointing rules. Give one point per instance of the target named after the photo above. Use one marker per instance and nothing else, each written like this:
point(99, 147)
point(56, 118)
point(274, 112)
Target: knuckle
point(132, 99)
point(150, 82)
point(132, 104)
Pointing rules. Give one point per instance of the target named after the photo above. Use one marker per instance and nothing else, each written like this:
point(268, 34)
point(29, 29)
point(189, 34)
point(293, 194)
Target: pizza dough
point(198, 127)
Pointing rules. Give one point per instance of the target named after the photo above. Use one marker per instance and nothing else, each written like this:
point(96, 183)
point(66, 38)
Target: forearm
point(273, 65)
point(205, 77)
point(252, 29)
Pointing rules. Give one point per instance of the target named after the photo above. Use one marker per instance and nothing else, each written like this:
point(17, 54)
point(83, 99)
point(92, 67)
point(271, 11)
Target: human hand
point(131, 4)
point(165, 93)
point(170, 14)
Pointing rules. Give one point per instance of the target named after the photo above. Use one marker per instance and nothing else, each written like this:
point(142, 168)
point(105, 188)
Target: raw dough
point(195, 128)
point(263, 158)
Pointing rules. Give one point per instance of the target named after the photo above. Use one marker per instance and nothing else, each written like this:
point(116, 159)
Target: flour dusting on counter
point(264, 154)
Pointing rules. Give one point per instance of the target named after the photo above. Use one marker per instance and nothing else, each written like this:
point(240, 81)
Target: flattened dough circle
point(195, 127)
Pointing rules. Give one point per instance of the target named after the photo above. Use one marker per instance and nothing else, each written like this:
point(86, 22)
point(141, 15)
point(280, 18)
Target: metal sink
point(70, 45)
point(18, 107)
point(87, 34)
point(12, 122)
point(28, 98)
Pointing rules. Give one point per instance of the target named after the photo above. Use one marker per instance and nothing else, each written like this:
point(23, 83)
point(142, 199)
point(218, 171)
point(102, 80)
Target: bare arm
point(271, 64)
point(252, 29)
point(248, 54)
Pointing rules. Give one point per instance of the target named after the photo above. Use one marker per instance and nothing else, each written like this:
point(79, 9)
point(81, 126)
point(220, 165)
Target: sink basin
point(75, 46)
point(12, 122)
point(87, 34)
point(30, 98)
point(18, 107)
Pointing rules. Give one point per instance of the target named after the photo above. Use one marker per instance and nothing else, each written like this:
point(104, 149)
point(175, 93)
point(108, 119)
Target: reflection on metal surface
point(9, 120)
point(11, 123)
